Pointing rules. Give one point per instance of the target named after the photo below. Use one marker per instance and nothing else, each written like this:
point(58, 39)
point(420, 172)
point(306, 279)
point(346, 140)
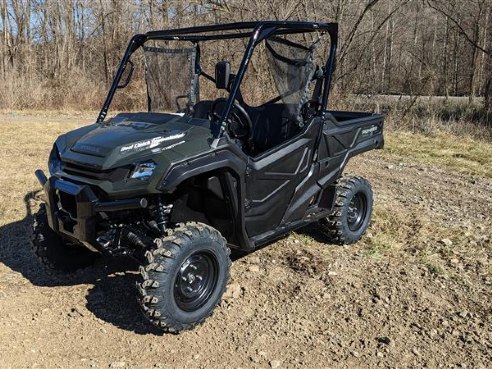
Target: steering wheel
point(239, 125)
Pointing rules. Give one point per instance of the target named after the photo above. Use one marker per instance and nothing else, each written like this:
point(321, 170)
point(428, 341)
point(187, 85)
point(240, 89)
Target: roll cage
point(255, 31)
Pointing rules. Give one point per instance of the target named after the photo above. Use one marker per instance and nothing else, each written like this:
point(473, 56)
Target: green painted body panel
point(131, 138)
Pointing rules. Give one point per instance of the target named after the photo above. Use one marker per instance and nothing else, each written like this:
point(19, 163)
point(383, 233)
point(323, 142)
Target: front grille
point(67, 204)
point(112, 175)
point(67, 210)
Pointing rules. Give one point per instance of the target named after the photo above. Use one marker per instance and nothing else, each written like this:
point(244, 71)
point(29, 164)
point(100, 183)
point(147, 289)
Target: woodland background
point(62, 54)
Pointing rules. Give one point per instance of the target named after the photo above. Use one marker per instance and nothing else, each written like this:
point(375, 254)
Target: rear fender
point(342, 140)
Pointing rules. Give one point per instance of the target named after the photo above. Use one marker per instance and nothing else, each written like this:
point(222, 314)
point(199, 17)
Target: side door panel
point(272, 179)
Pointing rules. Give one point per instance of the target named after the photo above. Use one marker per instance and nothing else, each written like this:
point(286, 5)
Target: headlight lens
point(143, 171)
point(54, 162)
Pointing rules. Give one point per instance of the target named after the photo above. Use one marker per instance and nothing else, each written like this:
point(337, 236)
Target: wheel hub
point(357, 211)
point(196, 280)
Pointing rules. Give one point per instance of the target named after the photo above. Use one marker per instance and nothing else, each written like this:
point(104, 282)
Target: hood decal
point(133, 124)
point(149, 144)
point(160, 149)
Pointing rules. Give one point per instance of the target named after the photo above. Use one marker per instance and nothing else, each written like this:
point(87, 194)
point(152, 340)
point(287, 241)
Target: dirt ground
point(415, 292)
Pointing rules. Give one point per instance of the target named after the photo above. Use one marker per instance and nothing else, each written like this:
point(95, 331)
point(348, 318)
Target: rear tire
point(55, 253)
point(184, 277)
point(352, 212)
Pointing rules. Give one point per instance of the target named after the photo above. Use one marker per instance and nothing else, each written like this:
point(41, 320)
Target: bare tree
point(56, 52)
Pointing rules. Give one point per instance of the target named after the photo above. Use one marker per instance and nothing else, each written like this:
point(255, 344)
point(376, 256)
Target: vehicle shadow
point(113, 300)
point(314, 231)
point(112, 297)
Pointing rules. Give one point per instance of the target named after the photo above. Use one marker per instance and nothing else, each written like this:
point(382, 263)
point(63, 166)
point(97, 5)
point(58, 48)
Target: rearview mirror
point(127, 74)
point(222, 75)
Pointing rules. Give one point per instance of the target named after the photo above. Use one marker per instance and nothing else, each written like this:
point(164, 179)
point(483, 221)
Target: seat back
point(271, 126)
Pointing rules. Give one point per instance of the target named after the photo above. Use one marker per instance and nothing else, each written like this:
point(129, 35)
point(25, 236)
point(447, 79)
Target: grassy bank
point(461, 153)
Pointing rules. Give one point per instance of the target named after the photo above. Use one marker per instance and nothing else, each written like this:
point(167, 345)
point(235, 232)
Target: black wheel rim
point(357, 211)
point(196, 280)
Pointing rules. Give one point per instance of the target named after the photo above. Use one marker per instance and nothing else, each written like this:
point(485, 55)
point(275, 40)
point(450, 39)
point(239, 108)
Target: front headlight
point(143, 171)
point(54, 162)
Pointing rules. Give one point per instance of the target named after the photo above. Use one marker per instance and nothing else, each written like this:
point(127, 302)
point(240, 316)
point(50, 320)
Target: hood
point(131, 137)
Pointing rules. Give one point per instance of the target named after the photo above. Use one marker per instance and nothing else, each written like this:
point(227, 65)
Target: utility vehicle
point(179, 185)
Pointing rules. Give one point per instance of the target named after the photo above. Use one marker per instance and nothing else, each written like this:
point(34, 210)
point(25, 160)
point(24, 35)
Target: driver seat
point(201, 109)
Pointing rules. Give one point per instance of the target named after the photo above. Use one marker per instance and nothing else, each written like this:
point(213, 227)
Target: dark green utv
point(181, 184)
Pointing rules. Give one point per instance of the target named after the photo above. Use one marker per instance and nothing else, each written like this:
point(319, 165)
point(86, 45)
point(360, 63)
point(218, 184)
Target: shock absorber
point(161, 215)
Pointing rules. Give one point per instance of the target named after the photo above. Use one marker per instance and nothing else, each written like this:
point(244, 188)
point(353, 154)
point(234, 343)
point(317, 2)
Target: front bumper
point(70, 210)
point(73, 209)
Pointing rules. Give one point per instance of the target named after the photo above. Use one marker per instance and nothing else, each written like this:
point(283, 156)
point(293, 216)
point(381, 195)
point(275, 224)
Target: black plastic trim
point(229, 160)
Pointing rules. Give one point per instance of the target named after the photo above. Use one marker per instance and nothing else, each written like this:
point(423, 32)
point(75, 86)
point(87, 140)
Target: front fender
point(216, 160)
point(226, 161)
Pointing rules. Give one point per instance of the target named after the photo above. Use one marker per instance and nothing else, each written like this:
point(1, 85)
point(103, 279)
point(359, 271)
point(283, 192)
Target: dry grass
point(24, 92)
point(460, 153)
point(25, 147)
point(426, 114)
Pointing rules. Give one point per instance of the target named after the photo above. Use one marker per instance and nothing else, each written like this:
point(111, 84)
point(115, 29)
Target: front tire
point(184, 277)
point(352, 212)
point(55, 253)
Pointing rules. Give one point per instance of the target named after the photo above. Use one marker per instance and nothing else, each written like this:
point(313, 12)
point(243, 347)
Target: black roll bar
point(258, 32)
point(135, 42)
